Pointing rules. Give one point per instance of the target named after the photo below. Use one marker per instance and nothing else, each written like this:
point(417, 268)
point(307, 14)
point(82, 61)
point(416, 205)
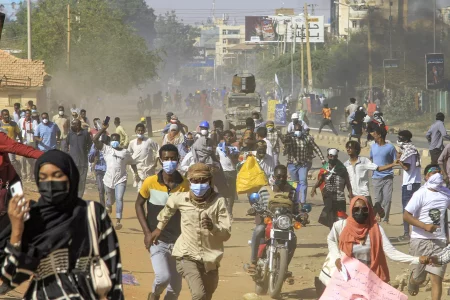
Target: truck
point(241, 101)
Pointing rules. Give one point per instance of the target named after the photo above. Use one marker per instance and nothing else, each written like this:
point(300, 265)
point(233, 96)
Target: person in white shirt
point(295, 120)
point(115, 178)
point(410, 163)
point(358, 168)
point(426, 211)
point(264, 160)
point(27, 127)
point(261, 135)
point(350, 109)
point(228, 156)
point(144, 152)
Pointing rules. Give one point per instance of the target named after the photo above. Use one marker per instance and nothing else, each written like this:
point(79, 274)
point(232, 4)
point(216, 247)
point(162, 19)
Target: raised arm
point(11, 146)
point(96, 140)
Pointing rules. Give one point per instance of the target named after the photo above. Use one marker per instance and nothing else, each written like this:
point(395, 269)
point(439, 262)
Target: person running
point(124, 139)
point(115, 180)
point(356, 121)
point(47, 134)
point(12, 130)
point(63, 123)
point(300, 148)
point(79, 143)
point(174, 136)
point(228, 156)
point(410, 163)
point(155, 191)
point(351, 108)
point(204, 215)
point(326, 113)
point(295, 120)
point(382, 153)
point(376, 122)
point(144, 152)
point(28, 126)
point(435, 136)
point(186, 146)
point(426, 212)
point(96, 158)
point(332, 179)
point(53, 248)
point(264, 160)
point(358, 168)
point(274, 137)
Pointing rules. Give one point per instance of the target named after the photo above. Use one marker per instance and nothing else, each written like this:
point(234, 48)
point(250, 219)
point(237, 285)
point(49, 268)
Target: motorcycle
point(272, 264)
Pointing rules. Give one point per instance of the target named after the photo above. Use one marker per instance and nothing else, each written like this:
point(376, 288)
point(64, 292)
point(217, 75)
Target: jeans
point(258, 234)
point(165, 268)
point(82, 185)
point(202, 284)
point(230, 177)
point(382, 190)
point(115, 195)
point(435, 153)
point(276, 158)
point(406, 196)
point(330, 124)
point(100, 185)
point(15, 163)
point(300, 175)
point(28, 168)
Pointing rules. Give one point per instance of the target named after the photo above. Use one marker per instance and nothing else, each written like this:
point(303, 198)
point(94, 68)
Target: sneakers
point(118, 226)
point(404, 238)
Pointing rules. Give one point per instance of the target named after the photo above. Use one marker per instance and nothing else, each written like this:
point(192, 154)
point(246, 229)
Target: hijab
point(51, 227)
point(355, 233)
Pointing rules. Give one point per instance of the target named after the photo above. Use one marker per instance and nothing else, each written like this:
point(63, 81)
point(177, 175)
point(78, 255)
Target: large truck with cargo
point(241, 101)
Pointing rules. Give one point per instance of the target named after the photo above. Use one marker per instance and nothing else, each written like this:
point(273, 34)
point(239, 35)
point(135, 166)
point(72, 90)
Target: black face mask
point(189, 143)
point(360, 217)
point(53, 192)
point(332, 161)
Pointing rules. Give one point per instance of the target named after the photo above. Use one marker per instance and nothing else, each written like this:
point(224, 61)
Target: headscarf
point(202, 151)
point(170, 138)
point(355, 233)
point(378, 117)
point(200, 170)
point(50, 227)
point(436, 182)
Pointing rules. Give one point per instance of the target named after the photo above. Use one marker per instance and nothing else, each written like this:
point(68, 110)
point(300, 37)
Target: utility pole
point(29, 28)
point(308, 51)
point(434, 27)
point(390, 28)
point(369, 47)
point(294, 31)
point(68, 37)
point(302, 67)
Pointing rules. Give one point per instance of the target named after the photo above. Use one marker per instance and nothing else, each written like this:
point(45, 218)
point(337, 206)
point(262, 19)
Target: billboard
point(259, 29)
point(269, 29)
point(434, 65)
point(200, 54)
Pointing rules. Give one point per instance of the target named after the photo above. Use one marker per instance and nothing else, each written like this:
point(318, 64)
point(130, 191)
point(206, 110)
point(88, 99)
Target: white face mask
point(61, 112)
point(204, 132)
point(45, 121)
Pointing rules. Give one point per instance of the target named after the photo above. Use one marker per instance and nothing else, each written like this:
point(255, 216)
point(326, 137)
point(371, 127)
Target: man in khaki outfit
point(205, 226)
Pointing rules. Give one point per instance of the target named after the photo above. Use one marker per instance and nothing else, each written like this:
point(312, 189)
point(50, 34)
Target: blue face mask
point(169, 166)
point(199, 189)
point(115, 144)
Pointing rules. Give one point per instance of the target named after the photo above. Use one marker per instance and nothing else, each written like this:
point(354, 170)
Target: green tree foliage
point(175, 41)
point(106, 53)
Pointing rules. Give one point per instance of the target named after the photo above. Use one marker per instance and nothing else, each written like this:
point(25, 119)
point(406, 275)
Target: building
point(445, 14)
point(21, 80)
point(229, 36)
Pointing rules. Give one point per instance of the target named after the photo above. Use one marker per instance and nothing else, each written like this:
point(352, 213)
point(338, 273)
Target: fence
point(436, 101)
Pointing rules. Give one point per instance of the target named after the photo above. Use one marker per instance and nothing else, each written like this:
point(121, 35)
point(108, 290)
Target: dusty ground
point(234, 283)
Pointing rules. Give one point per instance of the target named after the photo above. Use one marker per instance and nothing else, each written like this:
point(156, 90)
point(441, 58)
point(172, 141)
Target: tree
point(175, 41)
point(106, 53)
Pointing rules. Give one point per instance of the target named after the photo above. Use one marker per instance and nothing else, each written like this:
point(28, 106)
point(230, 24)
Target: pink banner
point(357, 282)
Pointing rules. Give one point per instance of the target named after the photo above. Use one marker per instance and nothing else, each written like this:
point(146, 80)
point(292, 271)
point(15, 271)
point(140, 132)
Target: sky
point(199, 10)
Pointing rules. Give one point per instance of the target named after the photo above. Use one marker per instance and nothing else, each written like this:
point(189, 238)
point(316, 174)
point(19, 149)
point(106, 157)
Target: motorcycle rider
point(279, 185)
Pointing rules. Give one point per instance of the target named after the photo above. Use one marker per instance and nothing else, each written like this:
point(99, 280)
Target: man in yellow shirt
point(13, 131)
point(124, 139)
point(326, 113)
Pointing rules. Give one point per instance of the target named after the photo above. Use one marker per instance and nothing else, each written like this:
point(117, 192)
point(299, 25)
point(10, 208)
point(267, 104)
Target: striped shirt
point(64, 273)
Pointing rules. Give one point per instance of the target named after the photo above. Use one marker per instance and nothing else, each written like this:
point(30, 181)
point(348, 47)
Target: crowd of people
point(186, 189)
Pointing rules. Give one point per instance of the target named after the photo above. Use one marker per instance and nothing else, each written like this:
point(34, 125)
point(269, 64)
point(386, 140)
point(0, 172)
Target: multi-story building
point(229, 36)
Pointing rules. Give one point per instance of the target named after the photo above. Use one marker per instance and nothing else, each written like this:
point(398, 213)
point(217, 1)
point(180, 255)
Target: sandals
point(413, 288)
point(379, 210)
point(251, 269)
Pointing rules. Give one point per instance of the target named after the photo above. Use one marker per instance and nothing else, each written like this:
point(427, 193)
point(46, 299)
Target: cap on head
point(294, 116)
point(333, 151)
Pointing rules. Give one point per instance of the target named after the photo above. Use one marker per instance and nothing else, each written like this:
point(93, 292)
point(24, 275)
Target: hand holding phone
point(106, 122)
point(17, 190)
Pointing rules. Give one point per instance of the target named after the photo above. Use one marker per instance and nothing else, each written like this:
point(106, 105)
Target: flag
point(279, 90)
